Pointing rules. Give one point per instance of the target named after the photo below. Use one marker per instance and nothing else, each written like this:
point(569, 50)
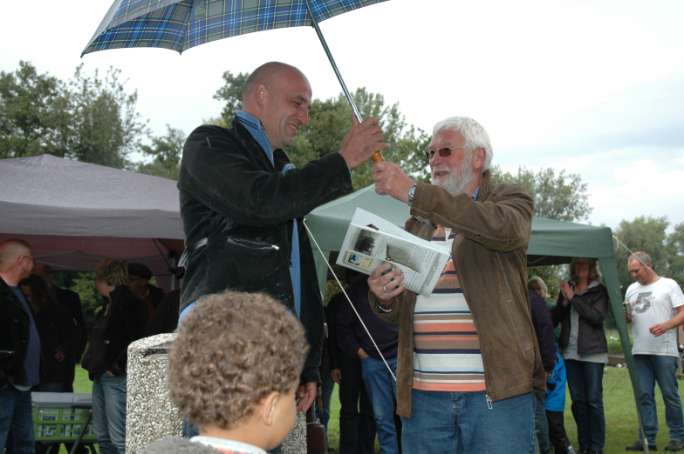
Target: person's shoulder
point(178, 445)
point(633, 287)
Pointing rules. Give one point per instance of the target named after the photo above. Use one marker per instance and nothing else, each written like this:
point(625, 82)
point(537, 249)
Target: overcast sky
point(593, 87)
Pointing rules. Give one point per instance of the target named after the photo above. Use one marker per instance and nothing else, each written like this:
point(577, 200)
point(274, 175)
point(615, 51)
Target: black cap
point(139, 270)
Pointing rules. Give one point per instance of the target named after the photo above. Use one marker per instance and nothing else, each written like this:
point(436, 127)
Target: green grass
point(618, 402)
point(619, 406)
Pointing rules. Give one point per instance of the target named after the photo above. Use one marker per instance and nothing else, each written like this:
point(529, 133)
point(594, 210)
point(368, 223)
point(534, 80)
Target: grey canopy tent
point(74, 213)
point(552, 242)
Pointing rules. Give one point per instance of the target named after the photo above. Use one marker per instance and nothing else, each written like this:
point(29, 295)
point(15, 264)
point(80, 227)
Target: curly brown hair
point(232, 350)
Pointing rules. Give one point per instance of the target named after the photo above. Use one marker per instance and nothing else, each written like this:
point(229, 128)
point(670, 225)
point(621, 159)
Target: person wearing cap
point(581, 309)
point(139, 276)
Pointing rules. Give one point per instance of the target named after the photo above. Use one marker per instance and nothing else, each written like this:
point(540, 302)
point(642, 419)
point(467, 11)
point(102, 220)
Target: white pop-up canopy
point(74, 213)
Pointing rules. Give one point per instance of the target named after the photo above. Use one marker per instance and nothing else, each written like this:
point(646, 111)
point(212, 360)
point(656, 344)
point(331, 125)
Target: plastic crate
point(61, 417)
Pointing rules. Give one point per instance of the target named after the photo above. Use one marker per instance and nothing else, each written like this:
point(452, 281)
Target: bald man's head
point(279, 95)
point(265, 75)
point(16, 259)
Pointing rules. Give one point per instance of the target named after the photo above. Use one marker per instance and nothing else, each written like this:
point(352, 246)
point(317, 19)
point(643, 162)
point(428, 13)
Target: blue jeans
point(109, 413)
point(382, 392)
point(16, 414)
point(651, 368)
point(468, 423)
point(585, 381)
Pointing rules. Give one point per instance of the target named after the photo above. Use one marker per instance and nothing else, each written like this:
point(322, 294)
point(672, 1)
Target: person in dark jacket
point(19, 349)
point(357, 428)
point(121, 321)
point(355, 342)
point(543, 327)
point(242, 202)
point(58, 335)
point(139, 276)
point(71, 302)
point(581, 308)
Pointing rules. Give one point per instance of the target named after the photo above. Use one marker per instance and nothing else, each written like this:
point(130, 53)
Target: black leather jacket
point(14, 337)
point(233, 198)
point(592, 307)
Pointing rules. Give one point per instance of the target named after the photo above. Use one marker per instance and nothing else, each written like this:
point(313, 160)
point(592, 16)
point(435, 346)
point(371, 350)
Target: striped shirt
point(447, 353)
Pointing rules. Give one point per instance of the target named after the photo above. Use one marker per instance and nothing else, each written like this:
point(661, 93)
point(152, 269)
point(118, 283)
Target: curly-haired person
point(239, 389)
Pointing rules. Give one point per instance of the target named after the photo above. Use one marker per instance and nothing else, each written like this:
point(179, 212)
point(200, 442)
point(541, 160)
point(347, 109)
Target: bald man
point(242, 202)
point(19, 349)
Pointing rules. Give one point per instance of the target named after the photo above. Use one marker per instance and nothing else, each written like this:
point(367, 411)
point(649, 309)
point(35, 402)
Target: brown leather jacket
point(492, 263)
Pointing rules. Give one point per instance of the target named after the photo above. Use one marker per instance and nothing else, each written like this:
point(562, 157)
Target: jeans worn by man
point(655, 306)
point(468, 358)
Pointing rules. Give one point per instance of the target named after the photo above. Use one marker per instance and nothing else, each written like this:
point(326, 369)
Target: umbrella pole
point(377, 155)
point(357, 114)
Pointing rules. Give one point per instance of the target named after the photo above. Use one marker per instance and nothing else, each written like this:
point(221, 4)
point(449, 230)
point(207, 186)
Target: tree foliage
point(32, 113)
point(559, 196)
point(647, 234)
point(166, 152)
point(90, 118)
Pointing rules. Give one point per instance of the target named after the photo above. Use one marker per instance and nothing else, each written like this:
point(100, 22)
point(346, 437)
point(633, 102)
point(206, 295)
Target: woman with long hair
point(581, 308)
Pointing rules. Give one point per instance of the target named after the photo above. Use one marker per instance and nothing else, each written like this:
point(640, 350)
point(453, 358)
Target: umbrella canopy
point(180, 25)
point(74, 213)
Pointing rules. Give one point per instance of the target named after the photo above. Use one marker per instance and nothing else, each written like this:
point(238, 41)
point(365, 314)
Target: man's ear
point(267, 408)
point(261, 95)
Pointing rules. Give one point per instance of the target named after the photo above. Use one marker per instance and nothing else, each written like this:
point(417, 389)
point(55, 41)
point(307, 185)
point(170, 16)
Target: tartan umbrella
point(180, 25)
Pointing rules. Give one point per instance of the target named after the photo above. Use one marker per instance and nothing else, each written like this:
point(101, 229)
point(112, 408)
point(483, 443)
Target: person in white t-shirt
point(655, 306)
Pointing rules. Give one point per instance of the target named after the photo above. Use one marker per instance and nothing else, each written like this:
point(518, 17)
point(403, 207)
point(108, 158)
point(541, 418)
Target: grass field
point(619, 406)
point(618, 401)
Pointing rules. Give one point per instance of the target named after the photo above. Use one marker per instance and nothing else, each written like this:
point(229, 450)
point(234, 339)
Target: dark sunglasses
point(443, 152)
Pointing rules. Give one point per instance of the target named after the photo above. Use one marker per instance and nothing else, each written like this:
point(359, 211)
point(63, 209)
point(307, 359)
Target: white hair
point(474, 134)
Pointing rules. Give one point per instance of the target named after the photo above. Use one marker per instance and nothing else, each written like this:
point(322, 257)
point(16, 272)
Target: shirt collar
point(224, 444)
point(249, 120)
point(257, 131)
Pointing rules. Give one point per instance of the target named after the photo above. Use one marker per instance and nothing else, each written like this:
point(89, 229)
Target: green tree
point(89, 118)
point(106, 125)
point(559, 196)
point(84, 285)
point(34, 113)
point(675, 246)
point(166, 152)
point(230, 94)
point(647, 234)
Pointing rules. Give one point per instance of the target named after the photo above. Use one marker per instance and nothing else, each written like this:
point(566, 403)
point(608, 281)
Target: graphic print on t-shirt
point(644, 302)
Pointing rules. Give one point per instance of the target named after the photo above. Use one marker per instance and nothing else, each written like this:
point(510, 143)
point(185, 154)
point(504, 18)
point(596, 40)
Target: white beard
point(461, 180)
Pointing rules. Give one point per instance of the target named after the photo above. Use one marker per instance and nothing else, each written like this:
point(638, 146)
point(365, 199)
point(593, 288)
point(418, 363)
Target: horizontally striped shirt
point(447, 353)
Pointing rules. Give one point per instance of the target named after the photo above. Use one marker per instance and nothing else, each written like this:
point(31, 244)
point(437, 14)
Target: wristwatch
point(411, 194)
